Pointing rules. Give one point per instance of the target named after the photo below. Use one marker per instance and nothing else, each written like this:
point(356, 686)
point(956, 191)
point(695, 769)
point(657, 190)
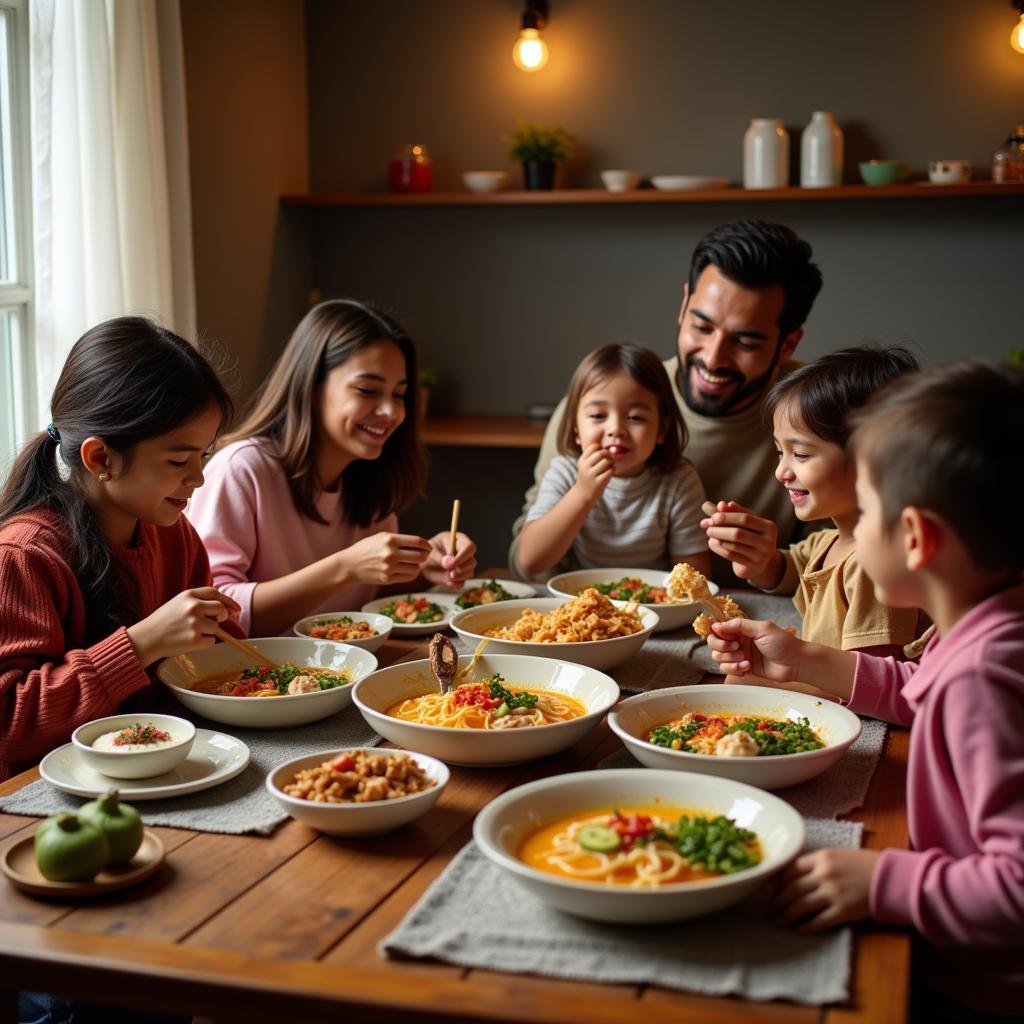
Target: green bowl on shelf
point(883, 172)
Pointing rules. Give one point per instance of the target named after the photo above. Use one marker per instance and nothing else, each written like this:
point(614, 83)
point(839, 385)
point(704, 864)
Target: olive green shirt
point(735, 458)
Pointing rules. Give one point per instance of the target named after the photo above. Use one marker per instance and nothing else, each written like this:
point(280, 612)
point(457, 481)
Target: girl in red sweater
point(100, 574)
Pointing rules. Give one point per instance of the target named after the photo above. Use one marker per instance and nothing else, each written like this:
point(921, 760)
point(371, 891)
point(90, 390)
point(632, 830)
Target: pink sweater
point(961, 885)
point(253, 532)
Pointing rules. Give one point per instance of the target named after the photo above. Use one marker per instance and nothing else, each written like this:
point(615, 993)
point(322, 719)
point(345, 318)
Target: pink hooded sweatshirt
point(961, 885)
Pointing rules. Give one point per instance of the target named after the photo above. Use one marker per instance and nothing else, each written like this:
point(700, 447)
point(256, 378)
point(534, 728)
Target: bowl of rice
point(589, 629)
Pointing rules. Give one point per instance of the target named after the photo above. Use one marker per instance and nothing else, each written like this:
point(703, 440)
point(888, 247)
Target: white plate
point(687, 182)
point(446, 601)
point(514, 587)
point(214, 758)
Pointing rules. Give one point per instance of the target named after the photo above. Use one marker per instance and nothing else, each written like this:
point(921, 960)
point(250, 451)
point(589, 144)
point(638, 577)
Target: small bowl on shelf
point(133, 760)
point(883, 172)
point(484, 181)
point(687, 182)
point(621, 181)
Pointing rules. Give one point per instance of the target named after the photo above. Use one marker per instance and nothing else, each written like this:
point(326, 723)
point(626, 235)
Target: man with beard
point(750, 288)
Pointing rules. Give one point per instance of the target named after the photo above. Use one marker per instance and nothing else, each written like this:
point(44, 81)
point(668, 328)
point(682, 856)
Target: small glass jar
point(410, 170)
point(1008, 159)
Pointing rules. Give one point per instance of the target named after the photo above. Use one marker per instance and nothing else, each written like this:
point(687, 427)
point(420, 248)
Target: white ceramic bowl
point(514, 587)
point(379, 691)
point(367, 819)
point(687, 182)
point(621, 181)
point(670, 616)
point(381, 623)
point(471, 624)
point(266, 712)
point(444, 599)
point(134, 764)
point(484, 181)
point(836, 725)
point(502, 825)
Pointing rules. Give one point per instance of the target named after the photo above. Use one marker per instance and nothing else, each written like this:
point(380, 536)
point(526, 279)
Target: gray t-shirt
point(638, 522)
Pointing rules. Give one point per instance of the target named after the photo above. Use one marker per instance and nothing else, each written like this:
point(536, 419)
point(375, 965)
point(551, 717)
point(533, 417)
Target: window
point(18, 416)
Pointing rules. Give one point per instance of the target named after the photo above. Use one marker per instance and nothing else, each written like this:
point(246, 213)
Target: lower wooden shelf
point(483, 431)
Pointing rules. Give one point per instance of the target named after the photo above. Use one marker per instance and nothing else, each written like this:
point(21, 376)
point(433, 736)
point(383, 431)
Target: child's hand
point(385, 558)
point(743, 646)
point(747, 540)
point(825, 888)
point(188, 622)
point(595, 471)
point(443, 567)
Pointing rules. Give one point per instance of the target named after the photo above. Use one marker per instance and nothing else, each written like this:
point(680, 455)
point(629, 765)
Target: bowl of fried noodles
point(589, 629)
point(647, 586)
point(634, 846)
point(500, 709)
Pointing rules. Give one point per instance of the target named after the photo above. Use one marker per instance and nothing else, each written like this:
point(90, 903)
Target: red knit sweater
point(50, 683)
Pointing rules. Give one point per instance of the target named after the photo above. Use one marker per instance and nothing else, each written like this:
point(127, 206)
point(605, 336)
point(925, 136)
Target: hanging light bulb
point(530, 52)
point(1017, 35)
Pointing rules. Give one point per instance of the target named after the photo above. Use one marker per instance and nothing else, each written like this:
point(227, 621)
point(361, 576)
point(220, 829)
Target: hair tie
point(53, 432)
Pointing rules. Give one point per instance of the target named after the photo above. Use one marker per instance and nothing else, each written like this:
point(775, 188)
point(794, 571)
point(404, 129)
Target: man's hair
point(760, 254)
point(822, 394)
point(948, 440)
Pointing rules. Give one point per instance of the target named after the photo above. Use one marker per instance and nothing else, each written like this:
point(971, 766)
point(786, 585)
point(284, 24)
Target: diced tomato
point(698, 717)
point(343, 763)
point(421, 603)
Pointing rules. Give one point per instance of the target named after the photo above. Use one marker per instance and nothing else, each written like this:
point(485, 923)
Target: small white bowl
point(836, 725)
point(472, 624)
point(501, 826)
point(594, 690)
point(266, 712)
point(134, 764)
point(381, 623)
point(484, 181)
point(369, 819)
point(670, 616)
point(444, 599)
point(621, 181)
point(687, 182)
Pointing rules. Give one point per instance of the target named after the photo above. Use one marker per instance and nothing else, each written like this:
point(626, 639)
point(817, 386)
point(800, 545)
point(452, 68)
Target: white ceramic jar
point(821, 152)
point(765, 154)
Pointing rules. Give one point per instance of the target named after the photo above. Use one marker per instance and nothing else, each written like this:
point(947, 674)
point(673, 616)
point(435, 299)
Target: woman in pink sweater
point(938, 463)
point(299, 513)
point(100, 574)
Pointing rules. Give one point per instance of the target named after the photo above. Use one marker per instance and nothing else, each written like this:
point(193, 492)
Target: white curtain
point(110, 172)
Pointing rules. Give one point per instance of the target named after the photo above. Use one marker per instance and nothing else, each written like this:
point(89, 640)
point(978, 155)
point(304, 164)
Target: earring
point(104, 477)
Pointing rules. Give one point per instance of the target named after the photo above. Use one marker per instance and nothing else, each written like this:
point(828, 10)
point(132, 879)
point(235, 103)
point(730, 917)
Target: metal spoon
point(444, 661)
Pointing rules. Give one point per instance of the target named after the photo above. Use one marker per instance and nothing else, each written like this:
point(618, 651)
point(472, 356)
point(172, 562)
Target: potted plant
point(428, 378)
point(538, 148)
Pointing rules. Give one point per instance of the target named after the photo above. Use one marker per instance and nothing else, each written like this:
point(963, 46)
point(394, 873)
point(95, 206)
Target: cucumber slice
point(598, 839)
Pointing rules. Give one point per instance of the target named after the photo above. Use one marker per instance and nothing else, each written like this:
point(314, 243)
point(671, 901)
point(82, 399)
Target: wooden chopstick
point(245, 648)
point(456, 506)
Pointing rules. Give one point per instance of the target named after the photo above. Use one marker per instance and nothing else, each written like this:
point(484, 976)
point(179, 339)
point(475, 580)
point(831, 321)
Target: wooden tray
point(18, 863)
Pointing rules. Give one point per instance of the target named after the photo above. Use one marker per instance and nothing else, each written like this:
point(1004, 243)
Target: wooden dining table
point(286, 926)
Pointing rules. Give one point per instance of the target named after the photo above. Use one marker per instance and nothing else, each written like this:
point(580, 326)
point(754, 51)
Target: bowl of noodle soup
point(403, 704)
point(587, 630)
point(536, 823)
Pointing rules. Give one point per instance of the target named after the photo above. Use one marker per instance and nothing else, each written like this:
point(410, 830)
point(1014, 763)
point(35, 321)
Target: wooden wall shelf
point(483, 431)
point(596, 196)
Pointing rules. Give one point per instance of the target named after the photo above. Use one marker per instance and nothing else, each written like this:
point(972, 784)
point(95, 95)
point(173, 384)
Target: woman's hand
point(594, 470)
point(762, 649)
point(446, 569)
point(384, 558)
point(747, 540)
point(825, 888)
point(188, 622)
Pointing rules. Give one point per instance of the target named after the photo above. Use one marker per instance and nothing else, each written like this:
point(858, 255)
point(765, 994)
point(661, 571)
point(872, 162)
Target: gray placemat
point(836, 791)
point(240, 805)
point(477, 915)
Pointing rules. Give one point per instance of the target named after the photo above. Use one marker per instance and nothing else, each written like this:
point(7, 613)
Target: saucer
point(214, 758)
point(18, 863)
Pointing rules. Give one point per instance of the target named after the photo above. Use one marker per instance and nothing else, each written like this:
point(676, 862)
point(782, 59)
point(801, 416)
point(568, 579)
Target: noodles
point(590, 616)
point(641, 847)
point(488, 704)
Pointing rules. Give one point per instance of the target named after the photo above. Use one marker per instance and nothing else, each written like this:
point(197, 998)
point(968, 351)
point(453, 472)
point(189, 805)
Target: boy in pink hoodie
point(939, 480)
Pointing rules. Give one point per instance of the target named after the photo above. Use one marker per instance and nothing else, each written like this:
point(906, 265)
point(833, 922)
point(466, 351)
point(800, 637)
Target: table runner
point(240, 805)
point(476, 915)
